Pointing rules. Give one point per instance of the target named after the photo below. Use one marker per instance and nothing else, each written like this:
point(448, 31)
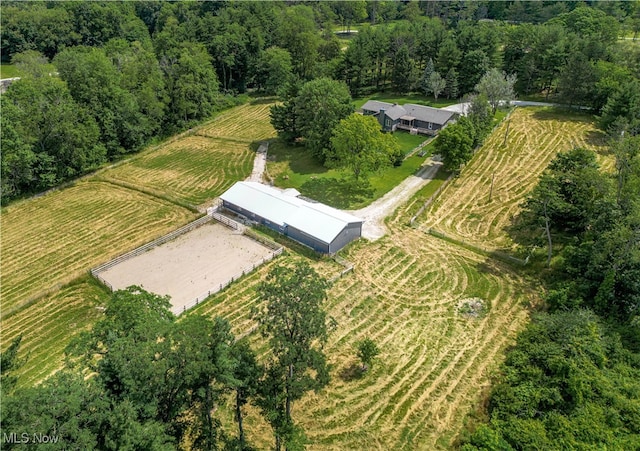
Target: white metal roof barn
point(323, 228)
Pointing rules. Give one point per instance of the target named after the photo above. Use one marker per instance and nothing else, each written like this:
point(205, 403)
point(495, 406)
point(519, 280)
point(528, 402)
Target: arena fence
point(212, 213)
point(95, 272)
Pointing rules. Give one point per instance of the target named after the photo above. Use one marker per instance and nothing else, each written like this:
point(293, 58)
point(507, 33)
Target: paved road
point(462, 108)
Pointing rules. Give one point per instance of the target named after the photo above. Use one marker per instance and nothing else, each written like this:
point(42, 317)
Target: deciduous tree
point(360, 146)
point(367, 351)
point(455, 146)
point(319, 106)
point(497, 87)
point(292, 319)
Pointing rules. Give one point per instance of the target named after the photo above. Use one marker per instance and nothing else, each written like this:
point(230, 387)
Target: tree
point(292, 318)
point(576, 80)
point(402, 75)
point(367, 351)
point(274, 70)
point(451, 88)
point(192, 84)
point(455, 146)
point(283, 117)
point(247, 374)
point(360, 146)
point(473, 66)
point(94, 83)
point(50, 138)
point(568, 196)
point(436, 84)
point(426, 77)
point(497, 87)
point(319, 106)
point(9, 362)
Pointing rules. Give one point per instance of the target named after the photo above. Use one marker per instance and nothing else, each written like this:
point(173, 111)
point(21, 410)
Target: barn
point(313, 224)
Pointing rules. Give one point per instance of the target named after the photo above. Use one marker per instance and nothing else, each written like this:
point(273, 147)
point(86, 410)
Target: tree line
point(125, 73)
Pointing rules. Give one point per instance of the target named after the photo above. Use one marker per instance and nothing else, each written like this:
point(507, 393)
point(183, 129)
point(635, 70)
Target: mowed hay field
point(192, 169)
point(246, 123)
point(435, 364)
point(535, 135)
point(201, 164)
point(53, 239)
point(48, 326)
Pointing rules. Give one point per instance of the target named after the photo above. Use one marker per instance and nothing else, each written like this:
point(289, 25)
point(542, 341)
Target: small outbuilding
point(318, 226)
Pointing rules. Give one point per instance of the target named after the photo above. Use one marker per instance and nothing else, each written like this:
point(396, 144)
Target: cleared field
point(51, 240)
point(48, 327)
point(192, 169)
point(434, 363)
point(247, 123)
point(191, 265)
point(535, 135)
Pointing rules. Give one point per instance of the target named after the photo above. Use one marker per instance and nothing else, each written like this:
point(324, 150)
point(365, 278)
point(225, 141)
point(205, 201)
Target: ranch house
point(318, 226)
point(413, 118)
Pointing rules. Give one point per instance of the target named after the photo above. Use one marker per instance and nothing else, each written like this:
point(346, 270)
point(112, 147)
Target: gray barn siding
point(349, 233)
point(307, 240)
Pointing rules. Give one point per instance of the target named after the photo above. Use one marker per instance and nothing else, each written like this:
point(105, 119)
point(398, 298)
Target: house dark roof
point(396, 112)
point(375, 105)
point(420, 112)
point(429, 114)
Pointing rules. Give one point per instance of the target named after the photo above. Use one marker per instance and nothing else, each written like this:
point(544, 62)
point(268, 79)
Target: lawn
point(293, 167)
point(401, 99)
point(8, 71)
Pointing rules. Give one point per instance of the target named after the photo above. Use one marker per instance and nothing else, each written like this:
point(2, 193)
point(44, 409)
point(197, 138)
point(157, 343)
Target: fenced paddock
point(191, 266)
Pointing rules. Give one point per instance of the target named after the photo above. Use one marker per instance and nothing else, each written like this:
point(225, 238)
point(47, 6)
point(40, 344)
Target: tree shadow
point(337, 192)
point(563, 113)
point(351, 372)
point(596, 138)
point(263, 101)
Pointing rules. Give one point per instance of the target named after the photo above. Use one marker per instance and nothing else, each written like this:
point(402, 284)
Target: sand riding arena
point(190, 263)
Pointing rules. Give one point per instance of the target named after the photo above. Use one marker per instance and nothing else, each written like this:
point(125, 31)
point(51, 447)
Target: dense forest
point(101, 80)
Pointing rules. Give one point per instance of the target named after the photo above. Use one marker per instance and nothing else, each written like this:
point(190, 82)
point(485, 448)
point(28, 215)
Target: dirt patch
point(471, 307)
point(191, 265)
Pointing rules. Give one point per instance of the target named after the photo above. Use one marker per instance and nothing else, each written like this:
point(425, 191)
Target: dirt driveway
point(374, 214)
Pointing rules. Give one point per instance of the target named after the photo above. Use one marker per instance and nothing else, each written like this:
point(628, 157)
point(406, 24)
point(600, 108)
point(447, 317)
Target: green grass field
point(192, 169)
point(293, 167)
point(49, 326)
